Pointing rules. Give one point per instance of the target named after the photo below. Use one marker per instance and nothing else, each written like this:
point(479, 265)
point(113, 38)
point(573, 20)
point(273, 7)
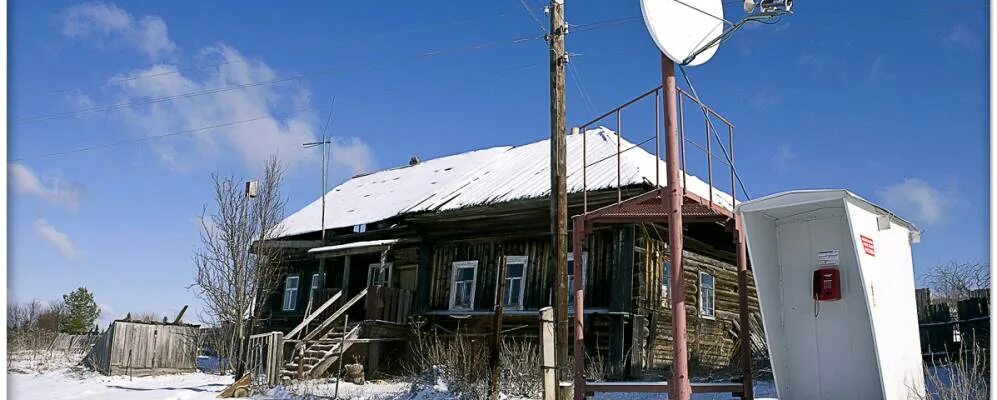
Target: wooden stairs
point(322, 341)
point(312, 359)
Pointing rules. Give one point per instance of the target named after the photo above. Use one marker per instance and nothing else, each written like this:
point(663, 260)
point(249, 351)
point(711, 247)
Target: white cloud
point(352, 154)
point(917, 199)
point(961, 36)
point(281, 120)
point(877, 69)
point(57, 192)
point(57, 239)
point(106, 21)
point(784, 154)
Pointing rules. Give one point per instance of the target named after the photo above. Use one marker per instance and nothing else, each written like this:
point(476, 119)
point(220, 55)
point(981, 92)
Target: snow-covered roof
point(354, 245)
point(483, 177)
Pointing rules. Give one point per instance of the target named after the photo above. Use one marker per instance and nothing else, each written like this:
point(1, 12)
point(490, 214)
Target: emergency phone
point(827, 284)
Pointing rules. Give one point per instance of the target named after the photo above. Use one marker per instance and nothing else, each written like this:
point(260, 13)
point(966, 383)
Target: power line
point(366, 39)
point(202, 92)
point(148, 138)
point(713, 129)
point(534, 16)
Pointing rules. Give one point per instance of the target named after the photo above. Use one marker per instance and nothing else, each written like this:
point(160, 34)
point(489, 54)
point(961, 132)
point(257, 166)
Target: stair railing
point(311, 316)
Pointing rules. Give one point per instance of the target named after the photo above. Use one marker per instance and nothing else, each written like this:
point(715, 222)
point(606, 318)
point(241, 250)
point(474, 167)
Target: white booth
point(835, 283)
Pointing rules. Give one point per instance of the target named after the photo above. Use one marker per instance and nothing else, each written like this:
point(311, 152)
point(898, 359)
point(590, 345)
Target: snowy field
point(57, 377)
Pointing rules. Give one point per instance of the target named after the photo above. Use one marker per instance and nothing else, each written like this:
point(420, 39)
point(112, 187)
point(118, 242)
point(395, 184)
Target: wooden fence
point(945, 333)
point(265, 358)
point(142, 348)
point(388, 304)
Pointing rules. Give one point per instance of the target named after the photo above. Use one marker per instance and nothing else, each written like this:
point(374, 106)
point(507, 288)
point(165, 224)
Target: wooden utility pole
point(558, 183)
point(494, 363)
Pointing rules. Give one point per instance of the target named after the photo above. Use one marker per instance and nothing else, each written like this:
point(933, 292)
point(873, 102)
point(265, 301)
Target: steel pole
point(680, 355)
point(742, 297)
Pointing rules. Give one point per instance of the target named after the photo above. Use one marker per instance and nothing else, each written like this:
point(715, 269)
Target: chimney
point(413, 161)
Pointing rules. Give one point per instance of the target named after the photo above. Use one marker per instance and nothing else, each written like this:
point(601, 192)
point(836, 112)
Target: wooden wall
point(712, 341)
point(539, 271)
point(141, 349)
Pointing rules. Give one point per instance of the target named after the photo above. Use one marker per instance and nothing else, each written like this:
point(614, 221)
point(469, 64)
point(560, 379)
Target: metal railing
point(712, 137)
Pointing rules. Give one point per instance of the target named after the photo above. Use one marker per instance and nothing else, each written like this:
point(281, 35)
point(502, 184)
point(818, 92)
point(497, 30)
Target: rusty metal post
point(745, 320)
point(680, 356)
point(578, 237)
point(657, 141)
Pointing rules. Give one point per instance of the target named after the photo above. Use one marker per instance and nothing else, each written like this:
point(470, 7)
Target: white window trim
point(522, 285)
point(585, 264)
point(315, 277)
point(713, 296)
point(457, 265)
point(294, 299)
point(666, 284)
point(377, 265)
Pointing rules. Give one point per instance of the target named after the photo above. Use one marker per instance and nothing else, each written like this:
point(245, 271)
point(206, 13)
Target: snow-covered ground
point(56, 376)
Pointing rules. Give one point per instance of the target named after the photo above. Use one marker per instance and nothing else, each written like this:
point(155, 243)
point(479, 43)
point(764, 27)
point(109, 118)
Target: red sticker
point(868, 245)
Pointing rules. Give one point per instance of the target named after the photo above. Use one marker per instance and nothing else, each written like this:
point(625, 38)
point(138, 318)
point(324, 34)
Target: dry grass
point(461, 361)
point(963, 378)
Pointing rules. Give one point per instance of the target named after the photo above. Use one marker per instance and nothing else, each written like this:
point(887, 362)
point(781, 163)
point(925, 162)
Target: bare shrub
point(954, 281)
point(461, 361)
point(963, 378)
point(520, 368)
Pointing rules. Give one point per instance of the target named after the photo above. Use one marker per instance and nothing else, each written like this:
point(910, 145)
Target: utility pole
point(558, 184)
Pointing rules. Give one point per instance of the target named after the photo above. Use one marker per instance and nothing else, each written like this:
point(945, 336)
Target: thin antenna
point(325, 142)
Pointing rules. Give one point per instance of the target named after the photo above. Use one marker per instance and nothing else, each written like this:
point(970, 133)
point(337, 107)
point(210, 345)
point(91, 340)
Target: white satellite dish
point(681, 27)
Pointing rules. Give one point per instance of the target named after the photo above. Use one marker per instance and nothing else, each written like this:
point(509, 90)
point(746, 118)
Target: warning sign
point(827, 258)
point(868, 245)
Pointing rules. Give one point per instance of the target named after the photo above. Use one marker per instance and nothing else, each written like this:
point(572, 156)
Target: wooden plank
point(659, 387)
point(318, 311)
point(342, 310)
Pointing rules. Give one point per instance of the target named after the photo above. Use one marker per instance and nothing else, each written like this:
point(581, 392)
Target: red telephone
point(827, 284)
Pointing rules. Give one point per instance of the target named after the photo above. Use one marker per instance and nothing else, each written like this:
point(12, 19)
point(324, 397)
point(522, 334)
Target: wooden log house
point(422, 242)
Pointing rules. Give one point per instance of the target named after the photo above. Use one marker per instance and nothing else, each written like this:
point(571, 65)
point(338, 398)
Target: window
point(666, 277)
point(291, 293)
point(379, 274)
point(462, 285)
point(571, 274)
point(318, 282)
point(360, 228)
point(706, 294)
point(515, 281)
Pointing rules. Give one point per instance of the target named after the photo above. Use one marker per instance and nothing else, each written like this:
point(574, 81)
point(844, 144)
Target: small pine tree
point(81, 311)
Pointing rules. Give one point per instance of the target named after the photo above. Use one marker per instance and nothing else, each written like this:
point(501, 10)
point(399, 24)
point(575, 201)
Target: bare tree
point(235, 272)
point(954, 281)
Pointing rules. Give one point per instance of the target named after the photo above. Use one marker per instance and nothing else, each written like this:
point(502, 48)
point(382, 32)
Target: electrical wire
point(366, 39)
point(581, 87)
point(713, 129)
point(148, 138)
point(203, 92)
point(534, 16)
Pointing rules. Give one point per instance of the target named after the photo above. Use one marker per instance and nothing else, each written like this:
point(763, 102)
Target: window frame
point(713, 296)
point(666, 282)
point(389, 266)
point(293, 299)
point(457, 266)
point(571, 275)
point(522, 284)
point(312, 287)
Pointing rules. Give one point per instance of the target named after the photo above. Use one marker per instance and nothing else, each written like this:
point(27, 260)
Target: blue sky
point(887, 100)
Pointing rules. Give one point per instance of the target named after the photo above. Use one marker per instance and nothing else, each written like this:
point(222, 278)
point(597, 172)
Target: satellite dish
point(681, 27)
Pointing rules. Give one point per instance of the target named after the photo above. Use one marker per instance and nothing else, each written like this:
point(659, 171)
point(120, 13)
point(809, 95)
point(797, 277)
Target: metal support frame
point(672, 206)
